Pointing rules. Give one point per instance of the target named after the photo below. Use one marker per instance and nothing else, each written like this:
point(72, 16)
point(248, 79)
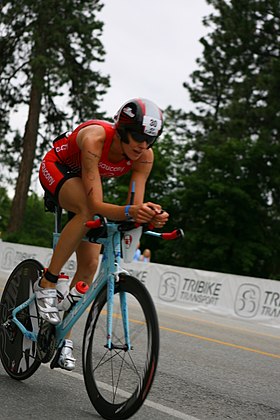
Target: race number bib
point(151, 125)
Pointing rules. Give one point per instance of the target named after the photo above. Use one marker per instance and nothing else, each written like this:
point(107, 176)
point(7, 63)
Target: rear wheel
point(118, 380)
point(17, 353)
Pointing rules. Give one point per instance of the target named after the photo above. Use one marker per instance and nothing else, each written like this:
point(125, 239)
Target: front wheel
point(17, 353)
point(118, 380)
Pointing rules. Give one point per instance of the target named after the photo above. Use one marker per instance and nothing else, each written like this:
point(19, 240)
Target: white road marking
point(148, 403)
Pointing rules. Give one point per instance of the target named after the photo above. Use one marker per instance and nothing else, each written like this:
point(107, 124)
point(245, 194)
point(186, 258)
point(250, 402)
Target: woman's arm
point(141, 170)
point(91, 141)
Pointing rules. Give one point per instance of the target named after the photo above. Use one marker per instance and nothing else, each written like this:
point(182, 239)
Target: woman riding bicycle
point(71, 173)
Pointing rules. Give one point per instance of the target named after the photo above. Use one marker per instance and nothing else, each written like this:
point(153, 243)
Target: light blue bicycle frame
point(108, 273)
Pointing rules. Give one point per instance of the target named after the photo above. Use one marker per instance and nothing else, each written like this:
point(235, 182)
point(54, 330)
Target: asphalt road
point(210, 368)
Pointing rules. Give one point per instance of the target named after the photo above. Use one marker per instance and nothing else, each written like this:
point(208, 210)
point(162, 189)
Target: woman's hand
point(159, 220)
point(149, 212)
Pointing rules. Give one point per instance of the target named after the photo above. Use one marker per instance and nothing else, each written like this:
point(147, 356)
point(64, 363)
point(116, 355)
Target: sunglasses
point(140, 138)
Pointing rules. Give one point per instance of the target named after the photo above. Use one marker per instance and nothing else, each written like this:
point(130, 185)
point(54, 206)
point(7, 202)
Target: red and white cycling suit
point(63, 161)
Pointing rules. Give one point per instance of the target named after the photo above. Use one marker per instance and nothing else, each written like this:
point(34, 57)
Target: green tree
point(230, 195)
point(165, 186)
point(48, 50)
point(37, 227)
point(5, 207)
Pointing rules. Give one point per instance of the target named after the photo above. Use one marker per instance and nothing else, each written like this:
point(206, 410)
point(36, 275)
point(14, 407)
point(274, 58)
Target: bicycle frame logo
point(127, 240)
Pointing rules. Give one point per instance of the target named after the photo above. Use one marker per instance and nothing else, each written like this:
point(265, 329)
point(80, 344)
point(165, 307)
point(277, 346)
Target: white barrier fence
point(218, 293)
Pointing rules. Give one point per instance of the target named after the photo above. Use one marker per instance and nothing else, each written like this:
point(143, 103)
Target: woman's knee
point(72, 197)
point(82, 211)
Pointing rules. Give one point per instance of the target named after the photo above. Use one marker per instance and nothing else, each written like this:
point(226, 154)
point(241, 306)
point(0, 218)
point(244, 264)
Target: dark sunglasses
point(140, 138)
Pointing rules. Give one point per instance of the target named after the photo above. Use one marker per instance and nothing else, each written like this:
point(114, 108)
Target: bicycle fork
point(110, 315)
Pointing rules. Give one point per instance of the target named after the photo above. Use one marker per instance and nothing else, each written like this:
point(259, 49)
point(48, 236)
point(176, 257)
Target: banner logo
point(247, 300)
point(169, 286)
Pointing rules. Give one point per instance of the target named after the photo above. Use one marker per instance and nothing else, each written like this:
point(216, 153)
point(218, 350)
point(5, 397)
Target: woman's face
point(134, 149)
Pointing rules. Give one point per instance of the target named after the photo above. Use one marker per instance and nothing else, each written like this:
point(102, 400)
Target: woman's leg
point(87, 262)
point(72, 198)
point(87, 259)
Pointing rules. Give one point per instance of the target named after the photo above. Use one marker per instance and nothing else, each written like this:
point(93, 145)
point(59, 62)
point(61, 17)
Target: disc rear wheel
point(17, 353)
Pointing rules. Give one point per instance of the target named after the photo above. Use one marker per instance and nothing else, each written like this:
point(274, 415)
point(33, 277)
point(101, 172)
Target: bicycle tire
point(17, 353)
point(134, 369)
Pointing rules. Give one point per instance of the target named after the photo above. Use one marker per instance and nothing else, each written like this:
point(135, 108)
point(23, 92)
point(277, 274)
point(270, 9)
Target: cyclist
point(71, 173)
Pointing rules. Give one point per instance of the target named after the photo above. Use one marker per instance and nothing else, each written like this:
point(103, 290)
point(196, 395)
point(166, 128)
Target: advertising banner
point(223, 294)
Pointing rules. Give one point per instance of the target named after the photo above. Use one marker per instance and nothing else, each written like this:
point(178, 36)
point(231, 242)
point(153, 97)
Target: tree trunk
point(27, 159)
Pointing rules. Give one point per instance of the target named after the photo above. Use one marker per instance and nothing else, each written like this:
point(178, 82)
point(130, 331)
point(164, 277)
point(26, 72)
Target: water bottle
point(62, 286)
point(73, 296)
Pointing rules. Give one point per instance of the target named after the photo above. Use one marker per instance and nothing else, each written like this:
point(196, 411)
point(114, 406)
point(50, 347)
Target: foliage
point(37, 227)
point(53, 45)
point(48, 54)
point(216, 167)
point(230, 199)
point(5, 205)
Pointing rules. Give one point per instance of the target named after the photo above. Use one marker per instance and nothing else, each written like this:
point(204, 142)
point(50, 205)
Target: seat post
point(57, 219)
point(57, 225)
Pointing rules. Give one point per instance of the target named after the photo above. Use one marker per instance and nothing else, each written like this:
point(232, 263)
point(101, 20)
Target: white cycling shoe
point(47, 303)
point(66, 360)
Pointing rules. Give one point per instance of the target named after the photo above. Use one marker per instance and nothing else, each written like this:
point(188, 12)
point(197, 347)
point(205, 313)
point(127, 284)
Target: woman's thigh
point(53, 175)
point(72, 196)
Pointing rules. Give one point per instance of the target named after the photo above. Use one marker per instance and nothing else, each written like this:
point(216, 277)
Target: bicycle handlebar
point(168, 236)
point(175, 234)
point(93, 224)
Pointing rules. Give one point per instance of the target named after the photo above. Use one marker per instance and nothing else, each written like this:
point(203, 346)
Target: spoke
point(135, 368)
point(124, 361)
point(116, 388)
point(101, 363)
point(132, 366)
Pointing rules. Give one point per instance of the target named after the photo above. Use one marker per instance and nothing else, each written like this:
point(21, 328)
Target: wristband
point(126, 211)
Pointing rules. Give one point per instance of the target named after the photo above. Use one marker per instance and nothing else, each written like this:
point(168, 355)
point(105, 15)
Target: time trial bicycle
point(121, 336)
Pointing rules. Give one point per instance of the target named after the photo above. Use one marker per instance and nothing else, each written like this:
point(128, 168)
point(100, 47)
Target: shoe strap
point(68, 344)
point(50, 310)
point(45, 293)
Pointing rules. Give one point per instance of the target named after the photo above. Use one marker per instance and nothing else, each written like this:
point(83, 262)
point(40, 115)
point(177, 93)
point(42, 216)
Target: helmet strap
point(151, 145)
point(123, 135)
